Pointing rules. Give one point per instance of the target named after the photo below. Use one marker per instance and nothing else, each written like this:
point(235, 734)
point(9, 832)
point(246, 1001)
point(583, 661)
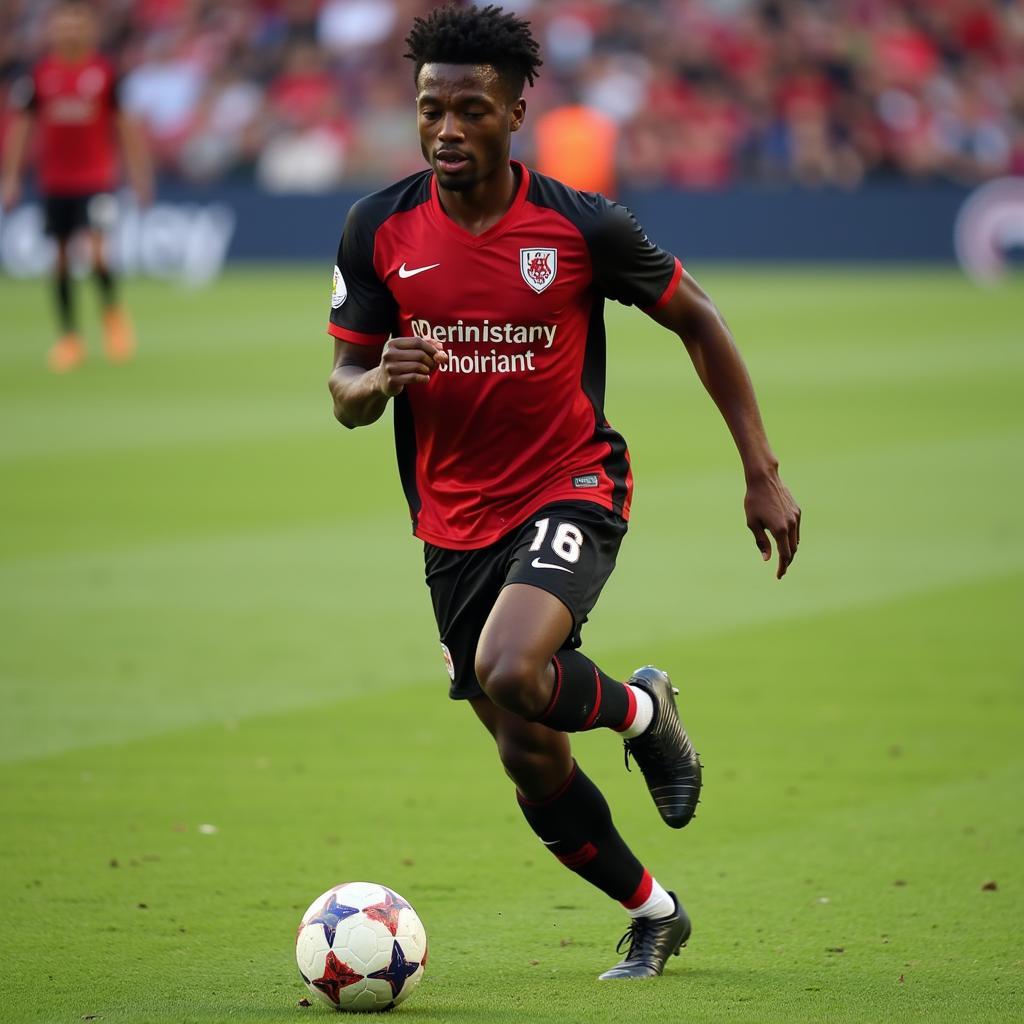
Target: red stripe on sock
point(555, 692)
point(642, 894)
point(554, 796)
point(630, 711)
point(578, 858)
point(597, 702)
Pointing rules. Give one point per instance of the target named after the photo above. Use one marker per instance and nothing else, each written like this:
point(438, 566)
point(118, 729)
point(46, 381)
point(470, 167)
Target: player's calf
point(574, 823)
point(582, 697)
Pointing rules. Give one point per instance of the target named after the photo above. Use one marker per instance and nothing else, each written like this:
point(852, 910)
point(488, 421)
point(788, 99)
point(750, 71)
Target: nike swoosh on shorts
point(538, 564)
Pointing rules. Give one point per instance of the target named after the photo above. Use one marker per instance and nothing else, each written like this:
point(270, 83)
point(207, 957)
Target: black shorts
point(67, 214)
point(567, 548)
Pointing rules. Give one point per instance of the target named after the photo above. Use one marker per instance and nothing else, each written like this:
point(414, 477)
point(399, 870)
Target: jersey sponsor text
point(488, 333)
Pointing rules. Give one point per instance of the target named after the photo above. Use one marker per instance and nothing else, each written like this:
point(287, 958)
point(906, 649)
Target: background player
point(472, 296)
point(72, 94)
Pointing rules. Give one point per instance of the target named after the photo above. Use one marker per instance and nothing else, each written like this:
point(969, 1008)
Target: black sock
point(585, 698)
point(575, 824)
point(106, 284)
point(65, 301)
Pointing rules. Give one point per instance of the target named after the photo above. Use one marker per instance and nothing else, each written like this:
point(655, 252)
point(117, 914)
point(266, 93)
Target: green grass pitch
point(213, 614)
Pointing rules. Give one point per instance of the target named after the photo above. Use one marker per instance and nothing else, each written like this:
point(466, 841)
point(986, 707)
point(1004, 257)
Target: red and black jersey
point(75, 104)
point(515, 420)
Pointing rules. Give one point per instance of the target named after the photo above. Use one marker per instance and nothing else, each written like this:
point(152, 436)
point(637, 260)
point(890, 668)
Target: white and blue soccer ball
point(361, 947)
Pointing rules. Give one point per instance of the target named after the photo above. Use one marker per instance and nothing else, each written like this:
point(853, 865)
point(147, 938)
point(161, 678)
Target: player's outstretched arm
point(136, 157)
point(769, 507)
point(15, 147)
point(366, 376)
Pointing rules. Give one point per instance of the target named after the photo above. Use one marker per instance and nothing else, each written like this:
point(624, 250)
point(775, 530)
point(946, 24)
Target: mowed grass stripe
point(234, 628)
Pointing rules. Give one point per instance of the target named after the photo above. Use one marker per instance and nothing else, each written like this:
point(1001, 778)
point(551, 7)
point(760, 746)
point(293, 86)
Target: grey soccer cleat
point(651, 943)
point(670, 765)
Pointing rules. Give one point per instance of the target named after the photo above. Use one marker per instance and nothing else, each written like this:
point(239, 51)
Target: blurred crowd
point(305, 95)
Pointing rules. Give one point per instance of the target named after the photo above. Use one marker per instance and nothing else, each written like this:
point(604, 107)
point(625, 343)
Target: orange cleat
point(67, 354)
point(119, 343)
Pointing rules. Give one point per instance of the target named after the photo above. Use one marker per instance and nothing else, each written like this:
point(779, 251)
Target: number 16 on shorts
point(566, 542)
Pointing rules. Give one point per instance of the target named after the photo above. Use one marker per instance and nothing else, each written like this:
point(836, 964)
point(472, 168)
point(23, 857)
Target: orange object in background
point(67, 354)
point(576, 144)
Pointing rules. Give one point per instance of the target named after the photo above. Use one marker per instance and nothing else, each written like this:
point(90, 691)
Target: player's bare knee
point(513, 682)
point(535, 771)
point(520, 763)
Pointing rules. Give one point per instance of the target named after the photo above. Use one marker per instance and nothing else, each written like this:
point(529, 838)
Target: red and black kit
point(75, 104)
point(512, 473)
point(515, 421)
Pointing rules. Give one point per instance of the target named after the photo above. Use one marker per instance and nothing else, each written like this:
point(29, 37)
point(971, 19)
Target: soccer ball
point(361, 947)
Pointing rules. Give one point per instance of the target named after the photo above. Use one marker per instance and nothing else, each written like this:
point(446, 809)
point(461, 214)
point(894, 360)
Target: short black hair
point(476, 35)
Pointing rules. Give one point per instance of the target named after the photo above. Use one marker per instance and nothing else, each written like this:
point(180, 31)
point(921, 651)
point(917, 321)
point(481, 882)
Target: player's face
point(71, 29)
point(466, 119)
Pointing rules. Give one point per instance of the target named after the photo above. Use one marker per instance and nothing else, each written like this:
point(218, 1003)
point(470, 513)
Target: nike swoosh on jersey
point(402, 272)
point(538, 564)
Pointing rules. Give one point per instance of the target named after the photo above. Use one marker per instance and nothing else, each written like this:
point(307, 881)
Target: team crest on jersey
point(538, 267)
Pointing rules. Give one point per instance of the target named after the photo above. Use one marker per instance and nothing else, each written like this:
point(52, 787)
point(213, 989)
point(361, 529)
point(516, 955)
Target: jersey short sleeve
point(23, 96)
point(627, 265)
point(363, 311)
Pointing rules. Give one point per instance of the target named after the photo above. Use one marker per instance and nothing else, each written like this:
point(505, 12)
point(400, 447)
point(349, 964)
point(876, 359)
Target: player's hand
point(10, 194)
point(771, 510)
point(406, 361)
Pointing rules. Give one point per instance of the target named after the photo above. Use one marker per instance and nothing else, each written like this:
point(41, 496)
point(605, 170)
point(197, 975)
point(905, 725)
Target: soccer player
point(471, 296)
point(72, 94)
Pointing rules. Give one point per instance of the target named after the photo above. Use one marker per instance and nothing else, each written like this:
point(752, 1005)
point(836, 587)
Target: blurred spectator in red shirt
point(701, 92)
